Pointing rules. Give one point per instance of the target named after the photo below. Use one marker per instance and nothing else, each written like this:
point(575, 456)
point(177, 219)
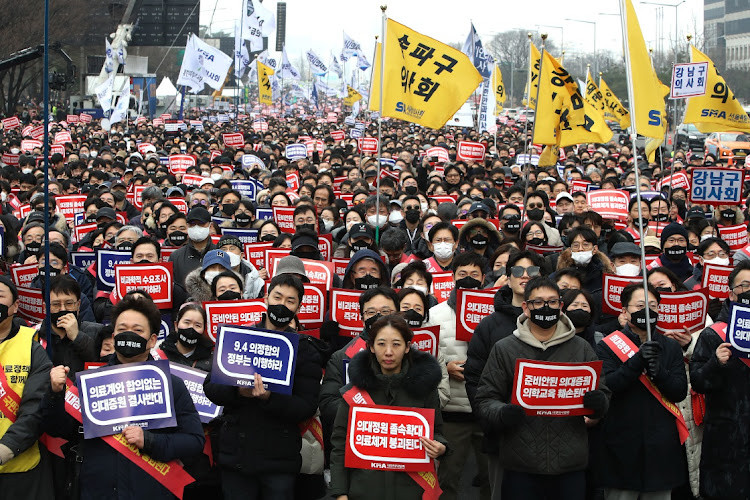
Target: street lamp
point(593, 23)
point(562, 45)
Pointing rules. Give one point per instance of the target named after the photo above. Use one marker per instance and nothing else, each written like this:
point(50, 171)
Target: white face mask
point(424, 206)
point(395, 217)
point(350, 224)
point(327, 224)
point(420, 288)
point(628, 270)
point(198, 233)
point(211, 276)
point(26, 170)
point(93, 154)
point(216, 177)
point(15, 151)
point(707, 236)
point(443, 250)
point(583, 258)
point(376, 220)
point(234, 259)
point(721, 261)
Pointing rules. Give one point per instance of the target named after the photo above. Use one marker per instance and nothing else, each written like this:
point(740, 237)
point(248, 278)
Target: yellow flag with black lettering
point(264, 83)
point(550, 155)
point(425, 81)
point(717, 110)
point(532, 80)
point(352, 97)
point(593, 95)
point(650, 107)
point(498, 88)
point(613, 108)
point(374, 98)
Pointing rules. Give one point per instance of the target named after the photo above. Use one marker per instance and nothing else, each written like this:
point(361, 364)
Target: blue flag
point(314, 96)
point(475, 51)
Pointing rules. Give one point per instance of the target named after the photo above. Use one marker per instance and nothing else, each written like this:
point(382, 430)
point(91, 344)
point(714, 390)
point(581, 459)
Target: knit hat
point(671, 230)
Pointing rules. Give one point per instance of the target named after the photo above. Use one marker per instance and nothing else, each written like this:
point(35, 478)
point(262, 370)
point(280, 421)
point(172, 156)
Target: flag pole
point(633, 136)
point(528, 98)
point(45, 92)
point(533, 127)
point(380, 120)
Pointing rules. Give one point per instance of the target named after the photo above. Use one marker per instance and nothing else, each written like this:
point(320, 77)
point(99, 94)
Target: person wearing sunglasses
point(542, 332)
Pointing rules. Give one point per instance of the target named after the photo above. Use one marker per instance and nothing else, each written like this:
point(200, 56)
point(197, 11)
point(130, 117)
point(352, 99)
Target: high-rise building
point(727, 32)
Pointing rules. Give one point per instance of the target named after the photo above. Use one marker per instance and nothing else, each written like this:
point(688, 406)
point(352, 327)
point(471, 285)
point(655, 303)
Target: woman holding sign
point(389, 373)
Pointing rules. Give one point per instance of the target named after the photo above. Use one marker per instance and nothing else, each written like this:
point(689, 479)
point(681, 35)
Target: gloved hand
point(329, 330)
point(512, 415)
point(650, 352)
point(595, 400)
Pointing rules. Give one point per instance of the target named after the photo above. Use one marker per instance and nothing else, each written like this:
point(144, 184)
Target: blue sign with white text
point(247, 188)
point(296, 152)
point(738, 330)
point(244, 235)
point(105, 267)
point(82, 259)
point(193, 379)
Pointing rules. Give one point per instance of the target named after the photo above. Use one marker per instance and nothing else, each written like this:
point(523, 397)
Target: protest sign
point(296, 152)
point(544, 249)
point(247, 187)
point(716, 186)
point(63, 137)
point(339, 266)
point(31, 304)
point(178, 164)
point(609, 203)
point(313, 307)
point(106, 260)
point(11, 123)
point(675, 181)
point(263, 213)
point(193, 179)
point(70, 204)
point(234, 140)
point(716, 279)
point(345, 311)
point(738, 330)
point(244, 235)
point(292, 180)
point(24, 274)
point(132, 394)
point(156, 279)
point(325, 246)
point(612, 286)
point(193, 379)
point(284, 217)
point(241, 352)
point(255, 253)
point(682, 310)
point(426, 338)
point(442, 286)
point(472, 306)
point(235, 312)
point(11, 159)
point(387, 438)
point(179, 203)
point(317, 272)
point(689, 79)
point(85, 259)
point(438, 154)
point(314, 145)
point(368, 145)
point(735, 236)
point(468, 150)
point(166, 252)
point(273, 255)
point(57, 148)
point(550, 389)
point(29, 145)
point(338, 135)
point(136, 198)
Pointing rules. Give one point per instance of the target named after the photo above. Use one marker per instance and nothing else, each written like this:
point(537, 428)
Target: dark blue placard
point(244, 235)
point(263, 213)
point(193, 378)
point(249, 187)
point(296, 152)
point(82, 259)
point(738, 330)
point(242, 351)
point(164, 329)
point(105, 267)
point(118, 396)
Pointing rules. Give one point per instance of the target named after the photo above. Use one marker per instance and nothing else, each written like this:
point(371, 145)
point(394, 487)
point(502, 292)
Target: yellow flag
point(717, 110)
point(653, 143)
point(374, 99)
point(264, 83)
point(549, 156)
point(499, 89)
point(533, 77)
point(613, 108)
point(593, 95)
point(650, 108)
point(353, 96)
point(425, 81)
point(563, 117)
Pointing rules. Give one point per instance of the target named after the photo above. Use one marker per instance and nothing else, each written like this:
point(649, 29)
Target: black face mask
point(310, 255)
point(666, 289)
point(125, 246)
point(638, 318)
point(188, 336)
point(280, 315)
point(544, 317)
point(90, 219)
point(34, 248)
point(536, 242)
point(413, 318)
point(366, 282)
point(675, 252)
point(311, 227)
point(744, 298)
point(229, 295)
point(643, 222)
point(229, 208)
point(468, 282)
point(242, 219)
point(410, 190)
point(661, 217)
point(55, 317)
point(479, 241)
point(412, 216)
point(728, 214)
point(371, 321)
point(513, 226)
point(163, 229)
point(267, 237)
point(535, 214)
point(359, 245)
point(4, 313)
point(495, 275)
point(130, 344)
point(53, 272)
point(691, 247)
point(178, 238)
point(579, 317)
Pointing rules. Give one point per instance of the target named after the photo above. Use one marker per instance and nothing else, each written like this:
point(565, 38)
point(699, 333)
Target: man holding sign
point(543, 332)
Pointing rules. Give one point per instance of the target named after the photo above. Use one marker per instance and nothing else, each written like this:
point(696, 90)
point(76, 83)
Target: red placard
point(24, 274)
point(143, 146)
point(345, 311)
point(180, 203)
point(551, 389)
point(284, 217)
point(325, 245)
point(387, 438)
point(680, 310)
point(62, 137)
point(716, 279)
point(166, 253)
point(11, 159)
point(459, 223)
point(292, 180)
point(72, 119)
point(338, 135)
point(11, 123)
point(440, 153)
point(235, 140)
point(443, 198)
point(735, 236)
point(156, 279)
point(83, 229)
point(29, 145)
point(178, 164)
point(609, 203)
point(86, 118)
point(136, 196)
point(675, 181)
point(368, 145)
point(472, 306)
point(544, 249)
point(193, 179)
point(339, 266)
point(612, 286)
point(234, 312)
point(442, 286)
point(318, 272)
point(470, 151)
point(579, 186)
point(313, 308)
point(57, 148)
point(314, 145)
point(426, 338)
point(255, 253)
point(273, 255)
point(70, 204)
point(31, 304)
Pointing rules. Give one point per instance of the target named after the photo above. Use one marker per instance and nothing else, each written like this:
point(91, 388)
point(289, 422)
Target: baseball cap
point(478, 206)
point(625, 248)
point(217, 257)
point(359, 230)
point(563, 195)
point(199, 214)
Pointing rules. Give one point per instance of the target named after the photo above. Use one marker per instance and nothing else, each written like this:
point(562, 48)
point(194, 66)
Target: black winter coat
point(187, 258)
point(262, 437)
point(200, 359)
point(725, 457)
point(640, 448)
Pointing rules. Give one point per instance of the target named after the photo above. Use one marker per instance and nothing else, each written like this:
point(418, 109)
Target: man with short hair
point(190, 256)
point(442, 242)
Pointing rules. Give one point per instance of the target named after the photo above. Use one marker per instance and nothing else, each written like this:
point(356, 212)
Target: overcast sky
point(319, 24)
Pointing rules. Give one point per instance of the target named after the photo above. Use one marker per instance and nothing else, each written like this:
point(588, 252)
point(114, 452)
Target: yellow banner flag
point(352, 97)
point(549, 156)
point(499, 89)
point(593, 95)
point(374, 98)
point(425, 81)
point(563, 117)
point(648, 94)
point(717, 110)
point(613, 108)
point(533, 77)
point(264, 83)
point(653, 143)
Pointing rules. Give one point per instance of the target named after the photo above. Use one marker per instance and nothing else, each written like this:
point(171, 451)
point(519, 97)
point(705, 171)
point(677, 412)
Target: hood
point(564, 332)
point(494, 234)
point(420, 373)
point(198, 289)
point(599, 262)
point(504, 303)
point(367, 254)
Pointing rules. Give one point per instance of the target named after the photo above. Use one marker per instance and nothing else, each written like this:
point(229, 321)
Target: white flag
point(122, 54)
point(109, 60)
point(351, 48)
point(486, 106)
point(335, 66)
point(121, 110)
point(258, 22)
point(287, 68)
point(104, 92)
point(203, 64)
point(241, 56)
point(362, 62)
point(316, 65)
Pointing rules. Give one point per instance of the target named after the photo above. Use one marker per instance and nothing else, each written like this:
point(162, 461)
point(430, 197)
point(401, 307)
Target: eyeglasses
point(744, 287)
point(539, 303)
point(69, 305)
point(369, 313)
point(531, 206)
point(577, 247)
point(538, 232)
point(712, 255)
point(531, 271)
